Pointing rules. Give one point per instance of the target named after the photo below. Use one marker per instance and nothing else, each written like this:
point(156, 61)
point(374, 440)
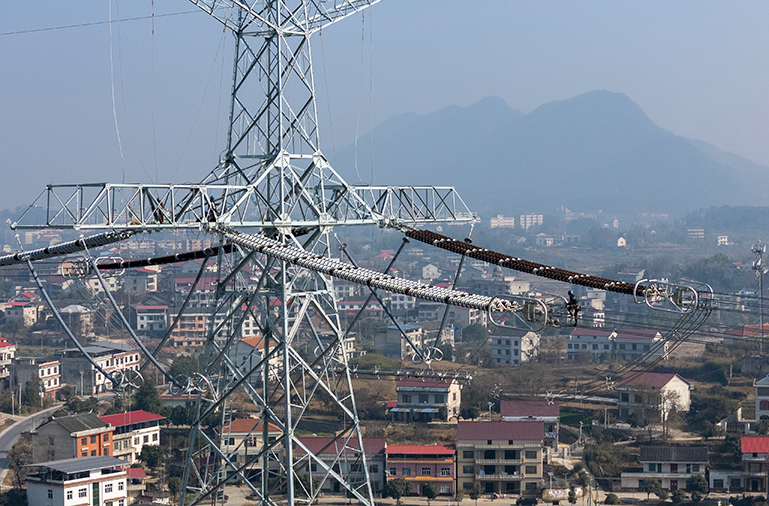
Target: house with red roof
point(28, 312)
point(504, 457)
point(541, 410)
point(669, 390)
point(423, 465)
point(133, 430)
point(427, 399)
point(755, 466)
point(345, 458)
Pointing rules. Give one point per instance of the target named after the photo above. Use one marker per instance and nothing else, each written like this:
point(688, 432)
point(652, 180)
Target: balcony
point(748, 457)
point(499, 461)
point(502, 477)
point(657, 476)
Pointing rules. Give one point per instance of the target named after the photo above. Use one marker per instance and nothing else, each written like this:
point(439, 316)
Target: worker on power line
point(572, 306)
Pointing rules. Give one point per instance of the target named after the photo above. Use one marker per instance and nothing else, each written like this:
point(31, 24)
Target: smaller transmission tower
point(758, 266)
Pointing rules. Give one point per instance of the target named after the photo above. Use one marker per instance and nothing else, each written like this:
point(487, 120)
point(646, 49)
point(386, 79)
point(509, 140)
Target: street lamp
point(580, 431)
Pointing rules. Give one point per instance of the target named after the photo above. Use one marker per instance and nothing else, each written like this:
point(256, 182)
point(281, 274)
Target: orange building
point(84, 435)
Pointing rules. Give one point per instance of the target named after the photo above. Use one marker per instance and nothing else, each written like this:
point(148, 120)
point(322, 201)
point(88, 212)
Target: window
point(147, 438)
point(652, 467)
point(50, 494)
point(468, 470)
point(393, 471)
point(109, 503)
point(374, 468)
point(695, 468)
point(69, 495)
point(84, 454)
point(426, 471)
point(116, 445)
point(531, 469)
point(531, 454)
point(531, 485)
point(406, 471)
point(155, 437)
point(510, 454)
point(93, 439)
point(445, 489)
point(136, 441)
point(107, 488)
point(445, 471)
point(121, 502)
point(106, 437)
point(93, 453)
point(84, 441)
point(467, 485)
point(82, 492)
point(467, 454)
point(120, 485)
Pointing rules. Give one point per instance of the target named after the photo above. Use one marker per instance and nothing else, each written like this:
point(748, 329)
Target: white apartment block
point(133, 430)
point(501, 221)
point(91, 481)
point(514, 348)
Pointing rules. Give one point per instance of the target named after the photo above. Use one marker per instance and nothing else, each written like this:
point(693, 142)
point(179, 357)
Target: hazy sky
point(697, 68)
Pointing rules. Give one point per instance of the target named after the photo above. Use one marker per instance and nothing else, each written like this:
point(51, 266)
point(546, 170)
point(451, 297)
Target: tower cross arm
point(126, 206)
point(293, 16)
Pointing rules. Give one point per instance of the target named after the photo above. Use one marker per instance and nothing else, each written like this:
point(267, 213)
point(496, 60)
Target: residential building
point(531, 220)
point(540, 410)
point(141, 280)
point(597, 342)
point(667, 391)
point(390, 342)
point(151, 318)
point(630, 344)
point(90, 481)
point(464, 316)
point(671, 466)
point(504, 457)
point(250, 352)
point(77, 370)
point(349, 465)
point(7, 354)
point(423, 465)
point(243, 438)
point(753, 475)
point(427, 399)
point(510, 347)
point(84, 435)
point(762, 397)
point(48, 373)
point(501, 221)
point(79, 319)
point(24, 311)
point(133, 430)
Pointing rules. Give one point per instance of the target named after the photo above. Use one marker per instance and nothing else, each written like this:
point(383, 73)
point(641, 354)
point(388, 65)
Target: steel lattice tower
point(274, 180)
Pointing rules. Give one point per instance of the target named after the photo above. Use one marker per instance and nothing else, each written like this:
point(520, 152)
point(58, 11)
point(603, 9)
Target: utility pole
point(758, 266)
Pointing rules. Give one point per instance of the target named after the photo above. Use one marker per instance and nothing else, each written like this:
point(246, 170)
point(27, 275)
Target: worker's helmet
point(571, 293)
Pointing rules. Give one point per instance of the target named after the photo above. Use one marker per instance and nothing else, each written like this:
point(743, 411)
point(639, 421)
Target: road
point(10, 435)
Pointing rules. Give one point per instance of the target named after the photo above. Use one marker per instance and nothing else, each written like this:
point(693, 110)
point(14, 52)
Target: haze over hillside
point(595, 151)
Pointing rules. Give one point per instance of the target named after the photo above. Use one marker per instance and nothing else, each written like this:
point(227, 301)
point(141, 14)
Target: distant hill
point(595, 151)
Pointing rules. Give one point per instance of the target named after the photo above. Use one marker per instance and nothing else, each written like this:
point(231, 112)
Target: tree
point(182, 415)
point(475, 332)
point(152, 455)
point(678, 496)
point(697, 483)
point(459, 495)
point(572, 495)
point(469, 413)
point(147, 397)
point(763, 427)
point(611, 499)
point(30, 396)
point(175, 486)
point(430, 491)
point(696, 497)
point(476, 492)
point(19, 457)
point(397, 488)
point(662, 494)
point(650, 487)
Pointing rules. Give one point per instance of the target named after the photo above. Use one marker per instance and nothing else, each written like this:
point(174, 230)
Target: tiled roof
point(139, 416)
point(637, 334)
point(420, 450)
point(139, 308)
point(324, 444)
point(246, 425)
point(757, 444)
point(674, 454)
point(425, 383)
point(537, 407)
point(591, 331)
point(518, 431)
point(136, 473)
point(80, 464)
point(78, 423)
point(653, 379)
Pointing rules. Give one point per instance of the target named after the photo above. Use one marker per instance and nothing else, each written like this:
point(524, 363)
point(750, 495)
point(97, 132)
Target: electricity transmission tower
point(274, 180)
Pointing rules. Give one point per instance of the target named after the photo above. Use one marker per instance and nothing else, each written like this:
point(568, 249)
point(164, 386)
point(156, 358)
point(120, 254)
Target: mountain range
point(596, 151)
